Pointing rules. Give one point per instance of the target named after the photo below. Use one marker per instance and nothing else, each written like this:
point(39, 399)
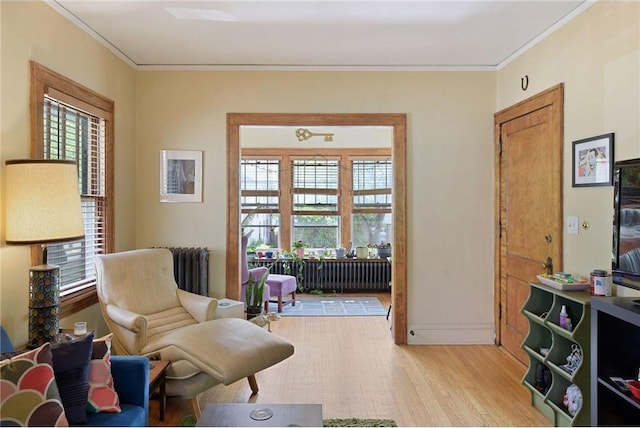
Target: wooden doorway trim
point(399, 159)
point(553, 98)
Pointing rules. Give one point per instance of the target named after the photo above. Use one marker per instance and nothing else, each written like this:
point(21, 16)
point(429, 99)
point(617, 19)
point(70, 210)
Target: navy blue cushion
point(71, 368)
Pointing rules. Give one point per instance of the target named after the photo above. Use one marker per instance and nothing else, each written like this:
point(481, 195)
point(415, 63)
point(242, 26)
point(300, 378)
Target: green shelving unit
point(547, 344)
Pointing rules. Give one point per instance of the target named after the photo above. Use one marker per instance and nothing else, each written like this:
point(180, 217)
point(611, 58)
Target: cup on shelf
point(80, 328)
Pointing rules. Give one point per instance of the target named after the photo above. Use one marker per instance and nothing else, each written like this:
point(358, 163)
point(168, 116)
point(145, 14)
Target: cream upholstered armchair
point(149, 315)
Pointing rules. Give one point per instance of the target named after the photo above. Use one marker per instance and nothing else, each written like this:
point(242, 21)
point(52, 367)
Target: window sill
point(78, 301)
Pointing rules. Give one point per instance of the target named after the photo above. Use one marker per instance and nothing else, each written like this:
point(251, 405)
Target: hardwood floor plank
point(351, 366)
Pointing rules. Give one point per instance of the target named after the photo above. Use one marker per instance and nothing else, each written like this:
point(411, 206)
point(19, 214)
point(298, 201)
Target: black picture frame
point(593, 160)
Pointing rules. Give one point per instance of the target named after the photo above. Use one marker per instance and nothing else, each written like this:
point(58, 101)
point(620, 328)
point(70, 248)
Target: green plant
point(293, 262)
point(299, 244)
point(253, 294)
point(254, 291)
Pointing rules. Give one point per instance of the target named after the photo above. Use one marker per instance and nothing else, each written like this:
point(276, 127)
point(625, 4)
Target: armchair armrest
point(201, 308)
point(127, 319)
point(131, 380)
point(133, 327)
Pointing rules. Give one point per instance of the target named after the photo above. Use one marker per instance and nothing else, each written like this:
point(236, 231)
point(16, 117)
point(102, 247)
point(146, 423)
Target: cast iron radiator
point(340, 275)
point(191, 269)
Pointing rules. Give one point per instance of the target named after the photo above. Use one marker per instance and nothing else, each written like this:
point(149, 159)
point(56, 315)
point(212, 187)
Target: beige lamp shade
point(42, 202)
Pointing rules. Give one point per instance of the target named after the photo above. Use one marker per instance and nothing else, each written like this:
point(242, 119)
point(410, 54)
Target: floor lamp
point(42, 206)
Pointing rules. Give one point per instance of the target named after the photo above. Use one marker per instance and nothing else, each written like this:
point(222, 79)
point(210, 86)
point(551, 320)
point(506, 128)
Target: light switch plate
point(572, 225)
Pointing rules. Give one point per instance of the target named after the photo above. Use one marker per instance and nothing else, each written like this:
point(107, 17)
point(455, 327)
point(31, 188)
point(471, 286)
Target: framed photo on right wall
point(593, 161)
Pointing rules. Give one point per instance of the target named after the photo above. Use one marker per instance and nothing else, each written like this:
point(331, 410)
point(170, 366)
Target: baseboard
point(451, 334)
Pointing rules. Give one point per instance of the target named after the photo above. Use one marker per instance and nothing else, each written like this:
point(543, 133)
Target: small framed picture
point(593, 161)
point(180, 176)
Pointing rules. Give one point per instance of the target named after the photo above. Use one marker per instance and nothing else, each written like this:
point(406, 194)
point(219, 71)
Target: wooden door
point(528, 207)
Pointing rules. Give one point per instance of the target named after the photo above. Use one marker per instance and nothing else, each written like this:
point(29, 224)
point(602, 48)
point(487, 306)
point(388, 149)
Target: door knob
point(548, 239)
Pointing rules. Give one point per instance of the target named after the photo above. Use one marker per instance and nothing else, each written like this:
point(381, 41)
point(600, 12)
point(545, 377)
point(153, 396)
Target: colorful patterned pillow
point(71, 367)
point(28, 390)
point(102, 395)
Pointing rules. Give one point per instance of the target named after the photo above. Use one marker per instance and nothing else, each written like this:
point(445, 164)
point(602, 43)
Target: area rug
point(189, 421)
point(355, 422)
point(330, 306)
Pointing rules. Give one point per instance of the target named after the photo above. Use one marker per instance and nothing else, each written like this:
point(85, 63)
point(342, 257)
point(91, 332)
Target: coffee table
point(261, 415)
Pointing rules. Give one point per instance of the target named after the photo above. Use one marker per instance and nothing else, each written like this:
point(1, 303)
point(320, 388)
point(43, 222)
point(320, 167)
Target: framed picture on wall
point(593, 161)
point(180, 176)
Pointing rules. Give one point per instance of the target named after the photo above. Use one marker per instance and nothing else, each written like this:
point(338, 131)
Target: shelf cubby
point(615, 351)
point(557, 357)
point(538, 337)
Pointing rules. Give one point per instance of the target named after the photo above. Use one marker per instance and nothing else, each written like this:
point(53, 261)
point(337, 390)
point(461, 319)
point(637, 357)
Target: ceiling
point(325, 34)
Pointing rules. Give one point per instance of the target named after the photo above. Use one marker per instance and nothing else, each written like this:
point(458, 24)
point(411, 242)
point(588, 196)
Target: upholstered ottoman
point(281, 285)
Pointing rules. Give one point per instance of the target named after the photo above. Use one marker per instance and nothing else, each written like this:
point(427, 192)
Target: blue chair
point(131, 382)
point(5, 341)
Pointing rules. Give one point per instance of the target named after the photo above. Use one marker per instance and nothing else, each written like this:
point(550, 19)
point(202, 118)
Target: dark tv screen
point(626, 224)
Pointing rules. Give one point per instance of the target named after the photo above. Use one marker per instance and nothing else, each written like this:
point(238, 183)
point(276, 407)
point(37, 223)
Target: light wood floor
point(351, 366)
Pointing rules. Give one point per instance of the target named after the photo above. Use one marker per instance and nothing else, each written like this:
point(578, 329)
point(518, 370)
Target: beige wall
point(597, 57)
point(34, 31)
point(450, 171)
point(450, 148)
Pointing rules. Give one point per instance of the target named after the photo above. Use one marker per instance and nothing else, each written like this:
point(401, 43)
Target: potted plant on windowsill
point(298, 248)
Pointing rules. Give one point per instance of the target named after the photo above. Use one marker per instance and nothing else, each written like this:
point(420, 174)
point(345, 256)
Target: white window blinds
point(372, 184)
point(73, 134)
point(315, 186)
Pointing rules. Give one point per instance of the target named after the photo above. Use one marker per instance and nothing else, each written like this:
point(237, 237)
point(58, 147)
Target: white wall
point(33, 31)
point(597, 57)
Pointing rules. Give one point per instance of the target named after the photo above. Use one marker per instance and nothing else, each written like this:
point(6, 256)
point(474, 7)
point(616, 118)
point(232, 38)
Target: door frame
point(554, 98)
point(399, 194)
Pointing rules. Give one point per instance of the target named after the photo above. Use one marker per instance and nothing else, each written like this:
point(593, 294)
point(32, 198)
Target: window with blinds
point(372, 184)
point(324, 200)
point(372, 201)
point(72, 134)
point(260, 201)
point(316, 210)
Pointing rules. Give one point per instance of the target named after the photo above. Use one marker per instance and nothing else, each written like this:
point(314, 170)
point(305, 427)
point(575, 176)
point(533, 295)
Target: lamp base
point(43, 325)
point(44, 300)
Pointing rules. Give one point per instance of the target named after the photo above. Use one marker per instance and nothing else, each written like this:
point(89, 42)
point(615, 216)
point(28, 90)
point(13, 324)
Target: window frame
point(345, 183)
point(46, 81)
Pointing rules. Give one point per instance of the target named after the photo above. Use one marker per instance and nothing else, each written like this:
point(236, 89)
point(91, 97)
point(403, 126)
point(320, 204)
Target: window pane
point(371, 229)
point(261, 174)
point(259, 185)
point(263, 230)
point(315, 185)
point(75, 135)
point(372, 183)
point(316, 231)
point(315, 174)
point(314, 202)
